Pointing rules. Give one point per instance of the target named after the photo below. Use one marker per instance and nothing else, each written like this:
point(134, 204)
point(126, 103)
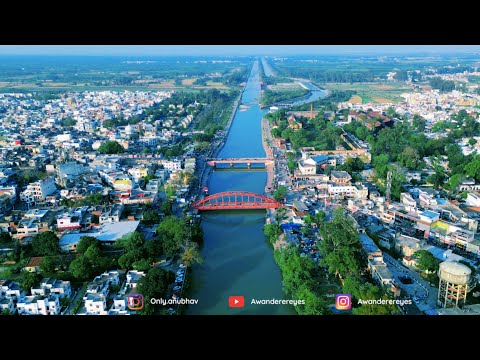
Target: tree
point(81, 268)
point(170, 190)
point(340, 247)
point(5, 237)
point(272, 232)
point(191, 255)
point(472, 142)
point(46, 244)
point(111, 147)
point(48, 265)
point(280, 193)
point(154, 285)
point(454, 181)
point(85, 242)
point(314, 305)
point(173, 234)
point(142, 265)
point(151, 217)
point(472, 169)
point(166, 208)
point(28, 280)
point(426, 261)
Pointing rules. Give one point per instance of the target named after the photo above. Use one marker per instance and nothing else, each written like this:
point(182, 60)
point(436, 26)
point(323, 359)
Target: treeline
point(270, 97)
point(442, 85)
point(329, 75)
point(330, 102)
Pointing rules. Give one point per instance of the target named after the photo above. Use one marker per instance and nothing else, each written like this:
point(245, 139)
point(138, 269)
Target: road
point(419, 287)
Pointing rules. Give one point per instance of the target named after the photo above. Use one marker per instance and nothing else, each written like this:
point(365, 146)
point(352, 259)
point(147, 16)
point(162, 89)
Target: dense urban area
point(373, 170)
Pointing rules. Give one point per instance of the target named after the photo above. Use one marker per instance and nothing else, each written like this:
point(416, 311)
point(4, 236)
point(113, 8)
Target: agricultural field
point(372, 92)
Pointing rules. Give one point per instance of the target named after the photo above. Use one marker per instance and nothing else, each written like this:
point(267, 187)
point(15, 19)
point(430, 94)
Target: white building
point(53, 286)
point(133, 277)
point(473, 199)
point(95, 304)
point(172, 165)
point(39, 305)
point(38, 190)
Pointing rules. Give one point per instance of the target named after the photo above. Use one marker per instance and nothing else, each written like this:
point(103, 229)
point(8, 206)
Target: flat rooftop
point(107, 232)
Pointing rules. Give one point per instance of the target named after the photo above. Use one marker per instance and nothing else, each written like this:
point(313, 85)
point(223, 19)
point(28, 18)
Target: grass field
point(188, 82)
point(372, 92)
point(355, 99)
point(285, 86)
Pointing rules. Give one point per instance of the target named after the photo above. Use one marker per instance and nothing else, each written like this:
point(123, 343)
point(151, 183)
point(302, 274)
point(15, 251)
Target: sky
point(232, 50)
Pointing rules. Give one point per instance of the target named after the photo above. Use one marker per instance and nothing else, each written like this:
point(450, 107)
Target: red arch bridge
point(235, 200)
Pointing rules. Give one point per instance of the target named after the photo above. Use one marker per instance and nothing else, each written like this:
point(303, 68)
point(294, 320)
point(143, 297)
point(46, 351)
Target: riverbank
point(207, 170)
point(266, 140)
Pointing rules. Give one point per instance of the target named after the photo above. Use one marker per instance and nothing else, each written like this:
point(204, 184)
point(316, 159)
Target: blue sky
point(161, 50)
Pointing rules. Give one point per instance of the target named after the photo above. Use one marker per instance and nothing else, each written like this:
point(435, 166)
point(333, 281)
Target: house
point(6, 304)
point(53, 286)
point(340, 177)
point(377, 266)
point(38, 305)
point(312, 165)
point(34, 264)
point(133, 276)
point(95, 304)
point(38, 190)
point(111, 214)
point(10, 290)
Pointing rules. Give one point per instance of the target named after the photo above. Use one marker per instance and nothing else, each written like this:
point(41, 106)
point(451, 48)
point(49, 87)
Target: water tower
point(454, 284)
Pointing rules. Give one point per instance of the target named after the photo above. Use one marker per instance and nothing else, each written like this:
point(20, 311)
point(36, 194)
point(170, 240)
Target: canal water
point(238, 260)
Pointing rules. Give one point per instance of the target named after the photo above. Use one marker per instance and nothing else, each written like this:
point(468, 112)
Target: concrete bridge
point(233, 161)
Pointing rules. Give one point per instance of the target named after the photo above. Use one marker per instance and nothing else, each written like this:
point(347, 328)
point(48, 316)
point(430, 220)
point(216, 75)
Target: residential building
point(38, 190)
point(39, 305)
point(33, 264)
point(53, 286)
point(111, 214)
point(340, 177)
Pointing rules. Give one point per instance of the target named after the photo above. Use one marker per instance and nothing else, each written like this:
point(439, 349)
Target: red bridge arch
point(235, 200)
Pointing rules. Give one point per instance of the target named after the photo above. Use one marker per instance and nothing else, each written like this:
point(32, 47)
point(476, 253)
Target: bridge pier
point(249, 165)
point(231, 164)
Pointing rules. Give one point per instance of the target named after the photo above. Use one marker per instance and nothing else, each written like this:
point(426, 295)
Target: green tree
point(191, 255)
point(472, 169)
point(29, 279)
point(280, 193)
point(111, 147)
point(472, 142)
point(340, 247)
point(173, 234)
point(426, 261)
point(142, 265)
point(170, 190)
point(166, 208)
point(46, 244)
point(151, 217)
point(454, 181)
point(48, 265)
point(85, 242)
point(81, 268)
point(314, 304)
point(5, 237)
point(154, 285)
point(272, 232)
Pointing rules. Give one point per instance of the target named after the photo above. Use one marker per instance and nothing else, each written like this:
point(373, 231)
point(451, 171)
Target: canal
point(238, 260)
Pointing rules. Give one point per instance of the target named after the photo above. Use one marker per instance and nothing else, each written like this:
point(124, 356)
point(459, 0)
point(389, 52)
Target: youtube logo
point(236, 301)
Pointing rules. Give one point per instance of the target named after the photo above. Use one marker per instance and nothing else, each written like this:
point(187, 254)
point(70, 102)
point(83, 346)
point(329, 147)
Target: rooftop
point(107, 232)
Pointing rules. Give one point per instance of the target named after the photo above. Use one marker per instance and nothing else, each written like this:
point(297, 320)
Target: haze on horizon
point(235, 50)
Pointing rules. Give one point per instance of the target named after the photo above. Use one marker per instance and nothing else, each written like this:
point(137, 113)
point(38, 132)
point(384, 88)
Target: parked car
point(182, 266)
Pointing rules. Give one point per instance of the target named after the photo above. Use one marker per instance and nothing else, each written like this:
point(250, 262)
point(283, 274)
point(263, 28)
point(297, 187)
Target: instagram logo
point(343, 301)
point(135, 302)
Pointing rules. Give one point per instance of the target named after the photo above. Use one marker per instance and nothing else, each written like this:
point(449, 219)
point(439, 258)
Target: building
point(95, 304)
point(111, 214)
point(454, 284)
point(138, 172)
point(53, 286)
point(377, 266)
point(10, 290)
point(313, 164)
point(473, 199)
point(357, 191)
point(108, 233)
point(38, 190)
point(340, 177)
point(133, 276)
point(34, 264)
point(39, 305)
